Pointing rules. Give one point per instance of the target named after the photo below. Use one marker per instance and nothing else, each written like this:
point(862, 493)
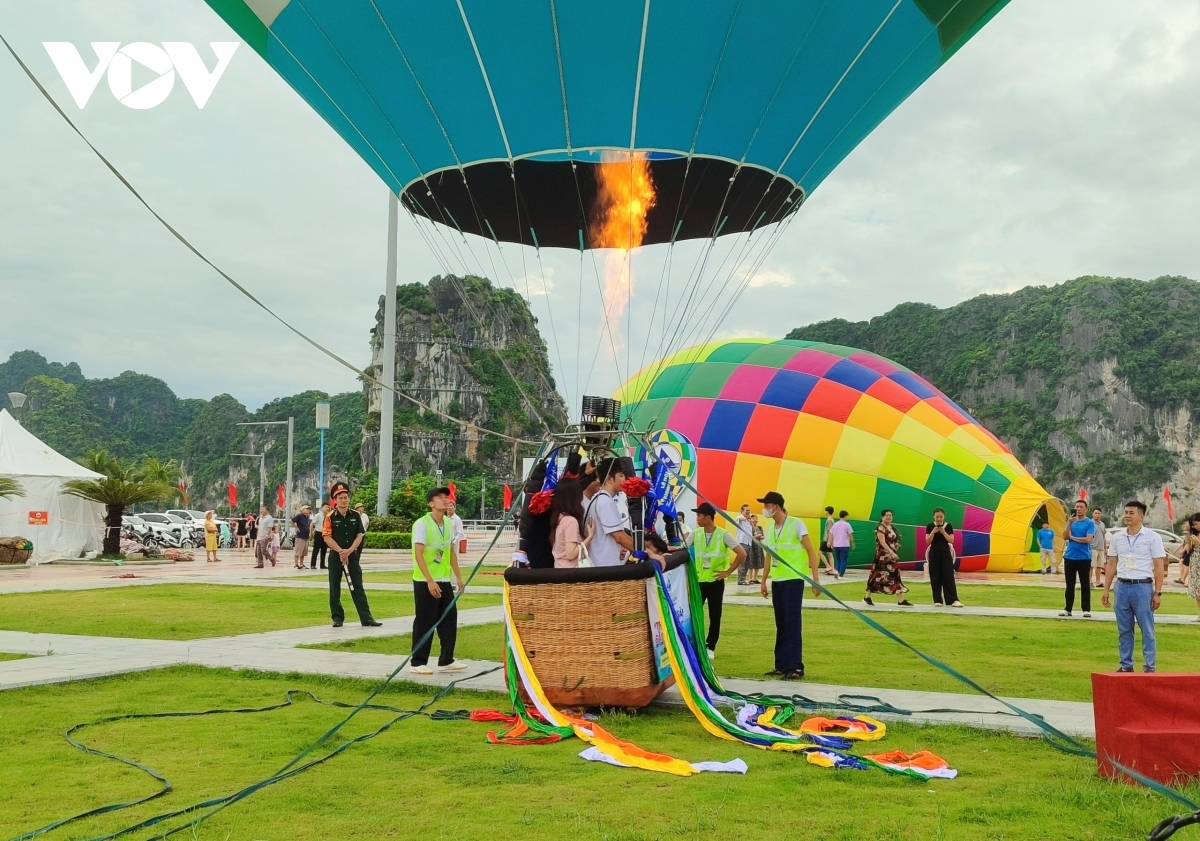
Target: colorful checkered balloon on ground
point(830, 425)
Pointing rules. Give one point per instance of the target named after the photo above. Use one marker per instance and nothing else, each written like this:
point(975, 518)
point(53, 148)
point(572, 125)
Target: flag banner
point(279, 496)
point(232, 495)
point(507, 497)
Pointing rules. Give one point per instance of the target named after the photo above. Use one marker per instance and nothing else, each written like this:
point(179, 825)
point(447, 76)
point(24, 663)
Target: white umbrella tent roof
point(74, 525)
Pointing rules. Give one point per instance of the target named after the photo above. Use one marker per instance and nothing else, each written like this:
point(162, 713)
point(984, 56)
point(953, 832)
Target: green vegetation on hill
point(1010, 359)
point(135, 416)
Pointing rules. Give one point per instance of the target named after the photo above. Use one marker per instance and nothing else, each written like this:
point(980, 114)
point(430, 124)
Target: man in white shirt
point(460, 534)
point(745, 538)
point(362, 515)
point(262, 544)
point(608, 526)
point(1137, 560)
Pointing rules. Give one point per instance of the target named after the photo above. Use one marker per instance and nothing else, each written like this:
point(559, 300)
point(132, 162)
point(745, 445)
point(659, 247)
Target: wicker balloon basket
point(13, 550)
point(587, 634)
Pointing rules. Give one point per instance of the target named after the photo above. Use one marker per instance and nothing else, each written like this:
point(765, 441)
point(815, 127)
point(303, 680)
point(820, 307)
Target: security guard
point(435, 560)
point(787, 537)
point(343, 532)
point(711, 547)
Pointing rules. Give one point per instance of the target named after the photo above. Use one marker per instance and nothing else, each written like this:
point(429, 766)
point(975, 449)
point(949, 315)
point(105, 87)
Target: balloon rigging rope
point(530, 403)
point(1055, 737)
point(296, 765)
point(224, 275)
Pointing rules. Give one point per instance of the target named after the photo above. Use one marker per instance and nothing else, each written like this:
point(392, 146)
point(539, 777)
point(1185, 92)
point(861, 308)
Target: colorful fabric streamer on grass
point(758, 720)
point(605, 747)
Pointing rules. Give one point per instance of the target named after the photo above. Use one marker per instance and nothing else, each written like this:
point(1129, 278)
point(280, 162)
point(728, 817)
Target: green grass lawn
point(424, 779)
point(1026, 658)
point(188, 611)
point(999, 595)
point(4, 656)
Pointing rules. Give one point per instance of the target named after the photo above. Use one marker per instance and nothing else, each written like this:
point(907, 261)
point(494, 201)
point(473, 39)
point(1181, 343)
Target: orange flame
point(626, 194)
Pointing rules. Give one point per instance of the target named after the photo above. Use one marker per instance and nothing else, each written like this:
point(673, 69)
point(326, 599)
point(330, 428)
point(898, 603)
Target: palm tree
point(165, 473)
point(119, 486)
point(10, 488)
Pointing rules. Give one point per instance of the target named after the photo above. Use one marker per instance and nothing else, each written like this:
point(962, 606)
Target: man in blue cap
point(343, 532)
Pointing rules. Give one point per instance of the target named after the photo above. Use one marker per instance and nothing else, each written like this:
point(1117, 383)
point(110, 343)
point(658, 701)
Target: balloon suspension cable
point(301, 761)
point(1053, 736)
point(230, 280)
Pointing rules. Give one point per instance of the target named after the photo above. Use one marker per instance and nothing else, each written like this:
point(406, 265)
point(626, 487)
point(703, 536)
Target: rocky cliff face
point(1094, 383)
point(471, 351)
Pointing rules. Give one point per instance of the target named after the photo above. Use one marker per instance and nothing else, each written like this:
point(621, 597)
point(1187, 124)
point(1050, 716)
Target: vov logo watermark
point(171, 57)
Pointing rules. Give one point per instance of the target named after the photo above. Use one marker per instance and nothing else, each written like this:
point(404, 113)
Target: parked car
point(137, 525)
point(190, 516)
point(183, 531)
point(1171, 541)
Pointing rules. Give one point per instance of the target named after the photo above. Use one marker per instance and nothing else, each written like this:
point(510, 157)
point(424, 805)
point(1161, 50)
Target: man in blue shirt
point(1045, 538)
point(1077, 558)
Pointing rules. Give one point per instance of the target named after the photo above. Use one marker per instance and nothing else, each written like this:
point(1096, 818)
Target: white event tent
point(73, 525)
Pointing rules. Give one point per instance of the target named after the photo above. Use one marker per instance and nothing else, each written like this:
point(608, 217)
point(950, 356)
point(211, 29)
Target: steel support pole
point(321, 473)
point(287, 491)
point(387, 399)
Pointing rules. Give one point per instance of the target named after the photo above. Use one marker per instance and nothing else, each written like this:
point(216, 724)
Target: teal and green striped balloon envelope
point(490, 116)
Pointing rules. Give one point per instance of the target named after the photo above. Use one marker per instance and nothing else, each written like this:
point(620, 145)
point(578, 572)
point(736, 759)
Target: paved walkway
point(238, 570)
point(60, 658)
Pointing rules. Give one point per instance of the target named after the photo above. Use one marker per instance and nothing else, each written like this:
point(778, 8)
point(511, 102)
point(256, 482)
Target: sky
point(1061, 141)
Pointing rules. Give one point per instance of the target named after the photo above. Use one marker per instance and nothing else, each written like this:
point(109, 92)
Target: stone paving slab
point(81, 657)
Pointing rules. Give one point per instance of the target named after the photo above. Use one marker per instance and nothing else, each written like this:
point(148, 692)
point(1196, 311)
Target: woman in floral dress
point(885, 577)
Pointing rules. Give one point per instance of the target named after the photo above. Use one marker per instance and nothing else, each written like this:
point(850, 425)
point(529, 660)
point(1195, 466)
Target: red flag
point(453, 490)
point(1083, 493)
point(232, 496)
point(279, 495)
point(1170, 508)
point(182, 493)
point(507, 497)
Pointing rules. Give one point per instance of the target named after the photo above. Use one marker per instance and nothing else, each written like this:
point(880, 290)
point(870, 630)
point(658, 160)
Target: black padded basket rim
point(517, 576)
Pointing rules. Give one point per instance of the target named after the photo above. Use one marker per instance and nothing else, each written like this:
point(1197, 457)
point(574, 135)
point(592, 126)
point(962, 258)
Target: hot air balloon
point(497, 118)
point(831, 425)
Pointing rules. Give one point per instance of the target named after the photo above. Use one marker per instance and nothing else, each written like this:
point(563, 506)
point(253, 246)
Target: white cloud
point(1059, 142)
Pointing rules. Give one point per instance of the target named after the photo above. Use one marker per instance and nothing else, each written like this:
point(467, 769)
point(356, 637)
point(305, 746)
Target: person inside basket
point(435, 559)
point(611, 540)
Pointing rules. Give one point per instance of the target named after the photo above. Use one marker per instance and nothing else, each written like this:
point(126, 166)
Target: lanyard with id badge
point(1127, 562)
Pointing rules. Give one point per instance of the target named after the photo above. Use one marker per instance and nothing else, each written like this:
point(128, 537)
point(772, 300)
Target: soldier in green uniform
point(435, 558)
point(343, 532)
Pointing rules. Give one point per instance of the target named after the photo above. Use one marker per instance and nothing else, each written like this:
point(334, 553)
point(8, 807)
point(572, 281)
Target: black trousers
point(428, 610)
point(357, 595)
point(941, 579)
point(318, 546)
point(787, 597)
point(713, 592)
point(1082, 569)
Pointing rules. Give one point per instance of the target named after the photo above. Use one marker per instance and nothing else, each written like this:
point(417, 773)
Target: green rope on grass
point(1055, 737)
point(297, 765)
point(165, 784)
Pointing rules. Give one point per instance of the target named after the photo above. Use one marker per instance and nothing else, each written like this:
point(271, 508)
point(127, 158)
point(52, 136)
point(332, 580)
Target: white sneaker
point(420, 670)
point(453, 667)
point(712, 655)
point(1064, 613)
point(1087, 615)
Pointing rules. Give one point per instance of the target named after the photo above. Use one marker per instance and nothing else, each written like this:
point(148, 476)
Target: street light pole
point(290, 423)
point(322, 425)
point(262, 473)
point(18, 400)
point(387, 373)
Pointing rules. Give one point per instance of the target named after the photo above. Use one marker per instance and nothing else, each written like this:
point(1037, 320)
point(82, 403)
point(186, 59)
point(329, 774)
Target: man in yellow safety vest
point(787, 537)
point(711, 548)
point(435, 559)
